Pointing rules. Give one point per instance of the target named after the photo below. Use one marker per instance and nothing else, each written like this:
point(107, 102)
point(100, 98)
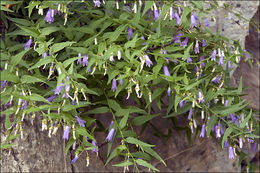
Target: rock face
point(38, 153)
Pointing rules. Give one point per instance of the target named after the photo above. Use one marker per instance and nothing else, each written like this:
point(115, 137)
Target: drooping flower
point(169, 91)
point(254, 146)
point(24, 105)
point(74, 160)
point(233, 117)
point(203, 131)
point(216, 79)
point(148, 62)
point(184, 43)
point(156, 14)
point(207, 22)
point(94, 149)
point(50, 16)
point(203, 43)
point(130, 33)
point(66, 132)
point(196, 48)
point(58, 89)
point(181, 103)
point(51, 98)
point(112, 122)
point(3, 84)
point(229, 64)
point(231, 153)
point(97, 3)
point(44, 55)
point(166, 71)
point(213, 55)
point(79, 60)
point(202, 63)
point(74, 145)
point(225, 144)
point(177, 18)
point(110, 135)
point(177, 38)
point(27, 45)
point(201, 100)
point(196, 18)
point(190, 114)
point(193, 21)
point(221, 59)
point(85, 60)
point(226, 103)
point(80, 121)
point(189, 60)
point(113, 88)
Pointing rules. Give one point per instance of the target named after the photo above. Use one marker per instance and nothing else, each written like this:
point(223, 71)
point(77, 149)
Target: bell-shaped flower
point(148, 62)
point(193, 21)
point(130, 33)
point(177, 18)
point(196, 48)
point(203, 131)
point(79, 60)
point(85, 60)
point(185, 42)
point(66, 132)
point(113, 88)
point(203, 43)
point(80, 121)
point(206, 22)
point(97, 3)
point(166, 71)
point(190, 114)
point(58, 89)
point(27, 45)
point(49, 18)
point(231, 153)
point(225, 144)
point(110, 135)
point(74, 160)
point(213, 55)
point(189, 60)
point(50, 99)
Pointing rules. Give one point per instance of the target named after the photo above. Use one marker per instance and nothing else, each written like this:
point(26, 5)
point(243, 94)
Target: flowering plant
point(81, 59)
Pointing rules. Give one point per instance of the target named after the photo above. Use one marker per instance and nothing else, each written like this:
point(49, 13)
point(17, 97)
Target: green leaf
point(146, 164)
point(115, 153)
point(17, 58)
point(113, 37)
point(99, 110)
point(124, 163)
point(7, 122)
point(211, 123)
point(48, 30)
point(226, 134)
point(6, 75)
point(69, 144)
point(153, 153)
point(243, 124)
point(20, 21)
point(41, 62)
point(123, 121)
point(69, 61)
point(139, 120)
point(69, 107)
point(59, 46)
point(37, 97)
point(181, 110)
point(30, 30)
point(6, 146)
point(30, 79)
point(135, 141)
point(114, 105)
point(148, 5)
point(82, 131)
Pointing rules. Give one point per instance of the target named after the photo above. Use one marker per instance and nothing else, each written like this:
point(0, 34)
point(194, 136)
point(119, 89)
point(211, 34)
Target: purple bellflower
point(166, 71)
point(148, 62)
point(156, 14)
point(231, 153)
point(28, 44)
point(80, 121)
point(94, 149)
point(113, 88)
point(50, 16)
point(130, 33)
point(201, 100)
point(66, 133)
point(85, 60)
point(225, 144)
point(216, 79)
point(184, 43)
point(177, 17)
point(3, 84)
point(86, 138)
point(196, 18)
point(193, 21)
point(190, 114)
point(189, 60)
point(74, 160)
point(110, 135)
point(24, 105)
point(221, 60)
point(169, 91)
point(44, 55)
point(202, 63)
point(207, 22)
point(112, 122)
point(213, 55)
point(203, 43)
point(58, 89)
point(196, 48)
point(203, 131)
point(229, 64)
point(97, 3)
point(177, 38)
point(51, 98)
point(233, 117)
point(226, 103)
point(79, 60)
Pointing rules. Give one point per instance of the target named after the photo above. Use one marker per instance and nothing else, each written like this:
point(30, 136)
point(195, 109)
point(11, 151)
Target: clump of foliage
point(69, 61)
